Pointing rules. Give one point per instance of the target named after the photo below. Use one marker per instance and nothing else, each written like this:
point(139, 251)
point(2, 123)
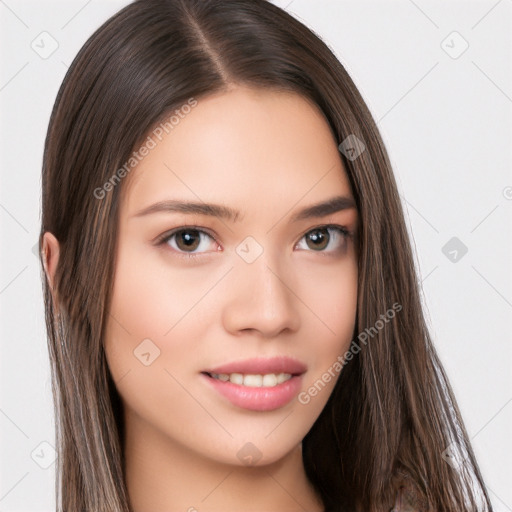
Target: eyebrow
point(332, 205)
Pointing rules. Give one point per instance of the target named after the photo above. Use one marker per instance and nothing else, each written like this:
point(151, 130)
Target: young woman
point(232, 306)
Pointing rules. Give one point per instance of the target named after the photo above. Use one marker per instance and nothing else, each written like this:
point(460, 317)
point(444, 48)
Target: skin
point(268, 154)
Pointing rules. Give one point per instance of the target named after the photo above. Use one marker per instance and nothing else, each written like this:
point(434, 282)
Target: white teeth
point(236, 378)
point(282, 377)
point(269, 380)
point(254, 381)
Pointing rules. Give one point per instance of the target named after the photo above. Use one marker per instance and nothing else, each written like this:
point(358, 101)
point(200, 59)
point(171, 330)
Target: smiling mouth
point(266, 380)
point(257, 384)
point(254, 391)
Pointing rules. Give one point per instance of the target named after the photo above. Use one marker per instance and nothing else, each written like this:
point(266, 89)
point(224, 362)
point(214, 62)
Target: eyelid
point(193, 227)
point(344, 230)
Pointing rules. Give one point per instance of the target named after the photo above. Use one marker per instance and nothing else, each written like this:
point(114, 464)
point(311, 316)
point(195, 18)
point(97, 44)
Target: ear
point(50, 252)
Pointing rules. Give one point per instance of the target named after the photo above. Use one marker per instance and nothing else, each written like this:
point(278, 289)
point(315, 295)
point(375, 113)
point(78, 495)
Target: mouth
point(257, 384)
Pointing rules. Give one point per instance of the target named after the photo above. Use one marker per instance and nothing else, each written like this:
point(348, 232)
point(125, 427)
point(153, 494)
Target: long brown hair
point(392, 417)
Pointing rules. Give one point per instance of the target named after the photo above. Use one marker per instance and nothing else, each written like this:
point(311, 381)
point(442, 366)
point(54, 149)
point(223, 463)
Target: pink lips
point(259, 398)
point(262, 366)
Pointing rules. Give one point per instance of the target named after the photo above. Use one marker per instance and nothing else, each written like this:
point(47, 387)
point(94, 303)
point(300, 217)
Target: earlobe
point(50, 253)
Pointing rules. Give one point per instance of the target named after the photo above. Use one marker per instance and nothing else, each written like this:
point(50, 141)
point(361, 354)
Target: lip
point(261, 366)
point(258, 398)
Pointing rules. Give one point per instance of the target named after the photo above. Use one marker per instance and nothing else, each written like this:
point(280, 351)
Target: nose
point(261, 298)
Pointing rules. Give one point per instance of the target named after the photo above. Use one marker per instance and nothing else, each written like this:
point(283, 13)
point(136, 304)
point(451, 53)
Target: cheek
point(151, 294)
point(149, 328)
point(151, 340)
point(333, 307)
point(331, 296)
point(154, 296)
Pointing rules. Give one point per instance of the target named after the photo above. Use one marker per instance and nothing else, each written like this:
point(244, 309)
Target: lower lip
point(258, 399)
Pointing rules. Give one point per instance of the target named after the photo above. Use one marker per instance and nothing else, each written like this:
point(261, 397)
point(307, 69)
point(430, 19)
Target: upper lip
point(261, 366)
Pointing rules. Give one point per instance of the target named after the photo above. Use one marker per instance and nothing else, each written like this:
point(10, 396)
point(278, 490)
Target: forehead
point(249, 148)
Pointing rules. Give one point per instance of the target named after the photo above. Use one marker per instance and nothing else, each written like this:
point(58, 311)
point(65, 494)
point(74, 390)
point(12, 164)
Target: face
point(224, 318)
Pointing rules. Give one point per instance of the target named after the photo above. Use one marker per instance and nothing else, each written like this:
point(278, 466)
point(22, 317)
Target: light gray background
point(446, 121)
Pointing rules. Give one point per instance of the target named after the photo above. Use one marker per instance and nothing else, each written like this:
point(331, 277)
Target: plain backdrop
point(437, 78)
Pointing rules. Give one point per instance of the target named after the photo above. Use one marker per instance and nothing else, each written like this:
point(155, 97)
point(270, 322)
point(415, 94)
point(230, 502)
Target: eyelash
point(165, 237)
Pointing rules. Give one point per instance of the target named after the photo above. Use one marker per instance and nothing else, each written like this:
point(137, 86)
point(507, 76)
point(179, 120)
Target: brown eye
point(322, 237)
point(188, 239)
point(318, 239)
